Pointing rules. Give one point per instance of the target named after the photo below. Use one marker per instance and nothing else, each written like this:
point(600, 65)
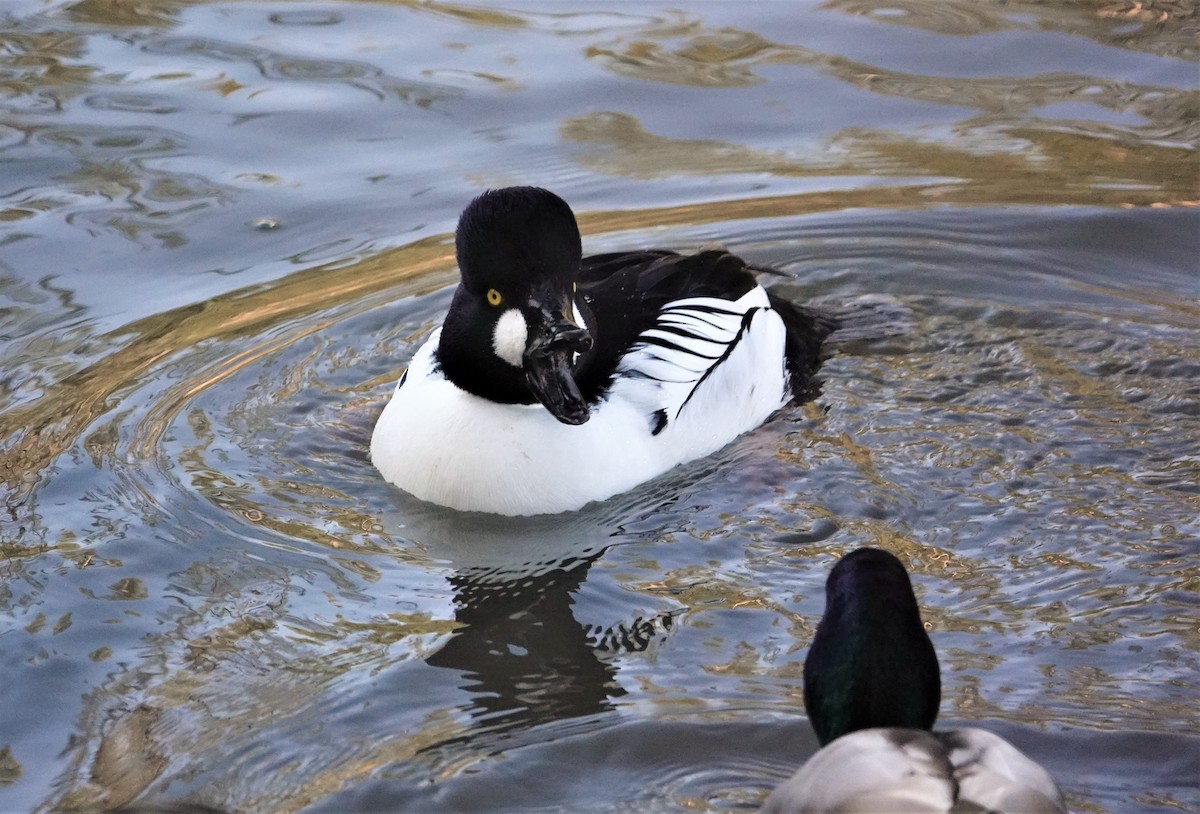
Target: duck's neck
point(871, 663)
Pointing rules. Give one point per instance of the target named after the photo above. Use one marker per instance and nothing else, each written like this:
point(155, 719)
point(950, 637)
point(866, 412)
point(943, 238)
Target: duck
point(556, 380)
point(872, 688)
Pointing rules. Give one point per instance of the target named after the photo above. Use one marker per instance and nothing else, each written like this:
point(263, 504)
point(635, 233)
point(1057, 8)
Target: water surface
point(225, 227)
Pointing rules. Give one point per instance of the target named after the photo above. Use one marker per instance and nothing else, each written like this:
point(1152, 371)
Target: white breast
point(442, 444)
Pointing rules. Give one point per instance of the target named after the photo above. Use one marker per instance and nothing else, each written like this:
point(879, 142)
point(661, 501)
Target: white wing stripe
point(689, 341)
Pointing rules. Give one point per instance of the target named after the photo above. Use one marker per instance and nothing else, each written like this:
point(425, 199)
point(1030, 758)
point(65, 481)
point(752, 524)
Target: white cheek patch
point(510, 336)
point(579, 320)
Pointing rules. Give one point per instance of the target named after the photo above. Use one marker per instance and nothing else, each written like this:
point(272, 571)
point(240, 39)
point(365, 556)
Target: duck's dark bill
point(552, 380)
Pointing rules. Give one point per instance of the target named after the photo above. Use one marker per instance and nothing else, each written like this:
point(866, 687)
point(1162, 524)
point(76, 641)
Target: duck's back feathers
point(807, 330)
point(911, 770)
point(992, 772)
point(870, 770)
point(624, 295)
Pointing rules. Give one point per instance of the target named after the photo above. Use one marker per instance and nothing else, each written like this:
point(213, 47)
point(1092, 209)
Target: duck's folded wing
point(707, 360)
point(913, 770)
point(623, 294)
point(993, 773)
point(872, 770)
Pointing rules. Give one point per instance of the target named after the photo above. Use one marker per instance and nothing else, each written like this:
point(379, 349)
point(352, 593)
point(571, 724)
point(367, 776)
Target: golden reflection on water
point(1165, 27)
point(727, 58)
point(37, 433)
point(1090, 169)
point(157, 13)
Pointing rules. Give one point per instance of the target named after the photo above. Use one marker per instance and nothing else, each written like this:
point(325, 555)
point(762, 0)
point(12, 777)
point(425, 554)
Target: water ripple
point(274, 66)
point(194, 546)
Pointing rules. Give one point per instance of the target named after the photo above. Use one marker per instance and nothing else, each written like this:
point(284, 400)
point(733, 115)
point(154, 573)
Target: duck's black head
point(871, 663)
point(510, 335)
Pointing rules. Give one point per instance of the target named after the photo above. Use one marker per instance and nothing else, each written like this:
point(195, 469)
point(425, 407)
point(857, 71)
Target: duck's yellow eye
point(493, 297)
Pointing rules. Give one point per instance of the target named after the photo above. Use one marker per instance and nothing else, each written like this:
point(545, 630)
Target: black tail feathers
point(814, 329)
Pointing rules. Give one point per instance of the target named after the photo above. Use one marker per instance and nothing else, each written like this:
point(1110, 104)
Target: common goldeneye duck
point(557, 380)
point(872, 687)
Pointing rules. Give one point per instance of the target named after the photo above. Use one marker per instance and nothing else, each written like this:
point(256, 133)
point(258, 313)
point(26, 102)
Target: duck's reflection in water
point(523, 655)
point(527, 659)
point(536, 656)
